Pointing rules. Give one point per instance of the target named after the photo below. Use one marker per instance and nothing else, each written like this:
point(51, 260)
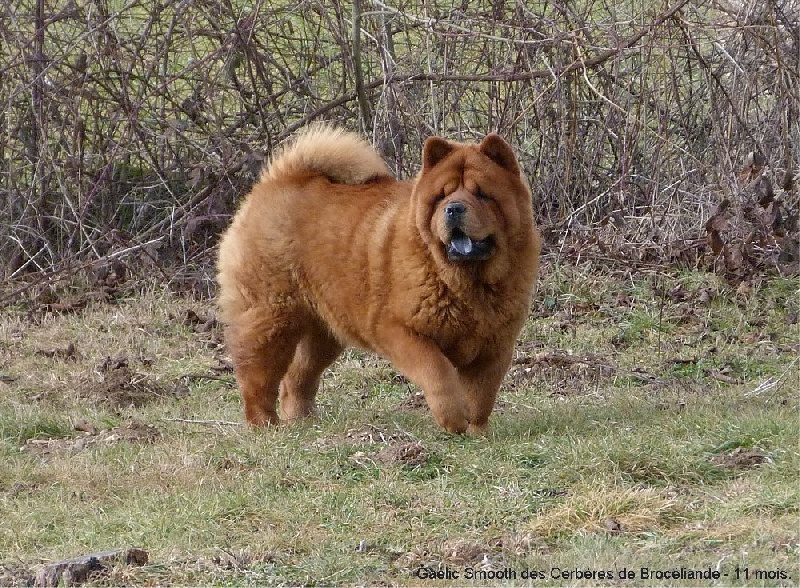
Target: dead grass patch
point(457, 553)
point(133, 432)
point(591, 510)
point(368, 435)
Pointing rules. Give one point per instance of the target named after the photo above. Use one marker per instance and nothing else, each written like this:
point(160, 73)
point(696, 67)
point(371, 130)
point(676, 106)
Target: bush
point(125, 123)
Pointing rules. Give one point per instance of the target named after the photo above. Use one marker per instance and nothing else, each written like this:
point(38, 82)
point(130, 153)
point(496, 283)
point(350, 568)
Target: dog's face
point(470, 199)
point(465, 223)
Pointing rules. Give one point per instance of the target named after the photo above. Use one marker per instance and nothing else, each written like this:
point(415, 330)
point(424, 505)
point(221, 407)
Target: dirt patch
point(19, 489)
point(517, 545)
point(407, 454)
point(57, 446)
point(120, 386)
point(78, 570)
point(199, 323)
point(12, 575)
point(456, 553)
point(69, 352)
point(565, 373)
point(413, 402)
point(741, 459)
point(398, 448)
point(133, 432)
point(369, 435)
point(462, 552)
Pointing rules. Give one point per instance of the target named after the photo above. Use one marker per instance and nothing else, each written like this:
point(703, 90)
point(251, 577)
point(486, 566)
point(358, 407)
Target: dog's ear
point(496, 149)
point(435, 150)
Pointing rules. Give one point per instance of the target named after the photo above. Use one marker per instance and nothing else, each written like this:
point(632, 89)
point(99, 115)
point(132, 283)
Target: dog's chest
point(463, 352)
point(462, 335)
point(463, 326)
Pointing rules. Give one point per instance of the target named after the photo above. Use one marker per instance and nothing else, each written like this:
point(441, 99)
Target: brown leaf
point(715, 242)
point(718, 220)
point(192, 318)
point(613, 526)
point(197, 176)
point(754, 162)
point(772, 215)
point(677, 294)
point(85, 426)
point(705, 295)
point(69, 352)
point(788, 181)
point(764, 191)
point(735, 259)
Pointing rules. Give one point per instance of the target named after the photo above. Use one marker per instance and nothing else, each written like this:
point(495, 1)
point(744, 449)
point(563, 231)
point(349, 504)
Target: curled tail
point(342, 157)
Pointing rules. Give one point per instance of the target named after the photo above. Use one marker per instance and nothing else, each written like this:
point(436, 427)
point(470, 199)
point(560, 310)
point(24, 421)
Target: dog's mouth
point(464, 248)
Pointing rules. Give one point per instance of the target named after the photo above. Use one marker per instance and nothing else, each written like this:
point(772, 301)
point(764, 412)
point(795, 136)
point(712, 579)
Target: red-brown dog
point(329, 250)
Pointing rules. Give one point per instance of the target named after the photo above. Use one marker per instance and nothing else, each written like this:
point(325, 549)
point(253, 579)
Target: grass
point(648, 421)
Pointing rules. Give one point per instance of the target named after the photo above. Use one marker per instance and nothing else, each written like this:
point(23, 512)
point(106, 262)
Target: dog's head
point(470, 199)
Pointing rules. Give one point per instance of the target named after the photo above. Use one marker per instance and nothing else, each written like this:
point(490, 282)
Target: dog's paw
point(452, 421)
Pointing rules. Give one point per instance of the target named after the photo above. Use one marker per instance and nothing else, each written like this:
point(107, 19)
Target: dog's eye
point(482, 195)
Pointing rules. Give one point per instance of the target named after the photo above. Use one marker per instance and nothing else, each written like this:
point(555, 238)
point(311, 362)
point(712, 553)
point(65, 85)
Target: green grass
point(624, 406)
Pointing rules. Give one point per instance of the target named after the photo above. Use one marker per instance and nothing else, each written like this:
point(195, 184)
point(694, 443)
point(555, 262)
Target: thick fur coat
point(329, 250)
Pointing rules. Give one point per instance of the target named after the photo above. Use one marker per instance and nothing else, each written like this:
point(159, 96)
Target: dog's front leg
point(422, 362)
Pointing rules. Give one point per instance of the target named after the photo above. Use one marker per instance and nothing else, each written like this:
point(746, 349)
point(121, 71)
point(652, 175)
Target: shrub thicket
point(130, 125)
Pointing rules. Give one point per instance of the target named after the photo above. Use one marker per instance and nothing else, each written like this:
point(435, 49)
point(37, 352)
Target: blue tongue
point(462, 244)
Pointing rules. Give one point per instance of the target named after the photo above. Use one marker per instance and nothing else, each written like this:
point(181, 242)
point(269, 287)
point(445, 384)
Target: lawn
point(646, 434)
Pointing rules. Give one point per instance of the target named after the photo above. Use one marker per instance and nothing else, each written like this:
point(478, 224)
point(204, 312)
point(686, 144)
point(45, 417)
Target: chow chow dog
point(329, 250)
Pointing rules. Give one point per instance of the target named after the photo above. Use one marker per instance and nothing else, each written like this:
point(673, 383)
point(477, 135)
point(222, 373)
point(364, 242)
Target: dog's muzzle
point(462, 247)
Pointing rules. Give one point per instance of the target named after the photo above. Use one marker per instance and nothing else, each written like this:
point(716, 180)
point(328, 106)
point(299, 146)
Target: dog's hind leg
point(260, 359)
point(316, 350)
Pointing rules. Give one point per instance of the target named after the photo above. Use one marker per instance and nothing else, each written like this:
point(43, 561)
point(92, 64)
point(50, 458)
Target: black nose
point(454, 210)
